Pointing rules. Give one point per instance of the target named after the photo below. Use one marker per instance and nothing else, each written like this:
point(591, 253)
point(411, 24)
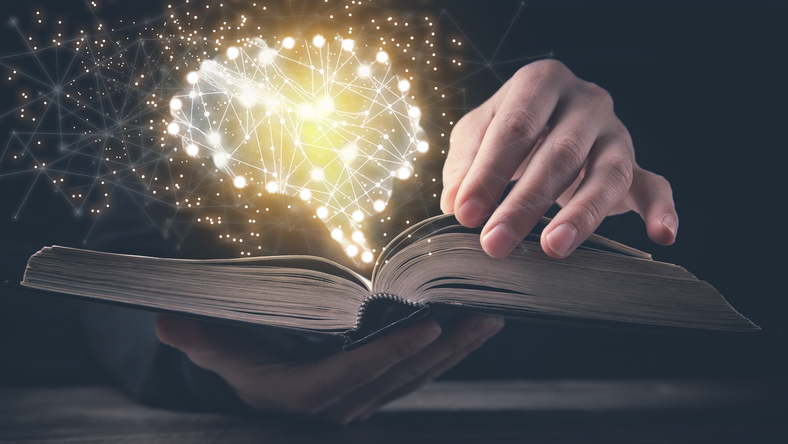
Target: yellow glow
point(382, 57)
point(288, 43)
point(348, 44)
point(239, 182)
point(318, 41)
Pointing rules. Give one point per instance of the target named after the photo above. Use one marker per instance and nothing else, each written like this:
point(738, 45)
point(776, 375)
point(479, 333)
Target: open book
point(435, 266)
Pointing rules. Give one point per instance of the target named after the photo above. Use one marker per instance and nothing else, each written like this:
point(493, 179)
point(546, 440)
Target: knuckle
point(601, 97)
point(568, 151)
point(518, 124)
point(592, 211)
point(619, 174)
point(520, 213)
point(550, 67)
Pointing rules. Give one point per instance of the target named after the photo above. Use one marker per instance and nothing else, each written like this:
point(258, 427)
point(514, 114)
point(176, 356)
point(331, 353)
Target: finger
point(509, 139)
point(455, 343)
point(324, 382)
point(553, 168)
point(428, 376)
point(466, 137)
point(652, 197)
point(608, 177)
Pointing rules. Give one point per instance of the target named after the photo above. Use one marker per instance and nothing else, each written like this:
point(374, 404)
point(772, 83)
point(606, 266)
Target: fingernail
point(671, 224)
point(561, 239)
point(427, 336)
point(485, 327)
point(472, 211)
point(500, 241)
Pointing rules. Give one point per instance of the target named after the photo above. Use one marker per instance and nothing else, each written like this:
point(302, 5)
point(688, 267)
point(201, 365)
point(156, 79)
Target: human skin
point(560, 136)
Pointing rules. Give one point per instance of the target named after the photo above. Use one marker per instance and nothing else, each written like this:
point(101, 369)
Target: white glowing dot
point(363, 71)
point(288, 43)
point(404, 173)
point(173, 128)
point(403, 85)
point(267, 56)
point(350, 152)
point(326, 105)
point(192, 150)
point(307, 112)
point(352, 251)
point(219, 159)
point(358, 237)
point(214, 138)
point(336, 233)
point(423, 146)
point(414, 112)
point(348, 44)
point(319, 41)
point(233, 53)
point(248, 98)
point(317, 174)
point(367, 257)
point(322, 212)
point(305, 194)
point(358, 216)
point(379, 205)
point(175, 104)
point(382, 57)
point(193, 78)
point(272, 187)
point(192, 94)
point(239, 182)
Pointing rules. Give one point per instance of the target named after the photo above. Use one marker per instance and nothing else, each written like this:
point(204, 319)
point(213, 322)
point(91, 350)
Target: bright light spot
point(414, 112)
point(363, 71)
point(248, 98)
point(382, 57)
point(423, 146)
point(348, 45)
point(219, 159)
point(288, 43)
point(193, 78)
point(307, 112)
point(404, 173)
point(350, 152)
point(326, 105)
point(358, 237)
point(358, 215)
point(305, 194)
point(319, 41)
point(336, 233)
point(192, 94)
point(214, 138)
point(267, 56)
point(173, 128)
point(317, 174)
point(192, 150)
point(272, 187)
point(239, 182)
point(176, 104)
point(352, 251)
point(233, 53)
point(322, 212)
point(367, 257)
point(379, 205)
point(403, 85)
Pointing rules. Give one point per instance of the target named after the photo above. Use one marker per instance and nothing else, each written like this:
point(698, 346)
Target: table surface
point(653, 411)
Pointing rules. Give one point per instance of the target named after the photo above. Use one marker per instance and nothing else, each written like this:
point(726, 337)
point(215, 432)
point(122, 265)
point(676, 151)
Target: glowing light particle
point(305, 194)
point(404, 173)
point(192, 150)
point(363, 71)
point(352, 251)
point(358, 237)
point(318, 41)
point(173, 128)
point(239, 182)
point(214, 138)
point(176, 104)
point(322, 212)
point(193, 78)
point(326, 105)
point(317, 174)
point(348, 44)
point(382, 57)
point(367, 257)
point(403, 85)
point(379, 205)
point(423, 146)
point(337, 234)
point(350, 152)
point(358, 215)
point(266, 56)
point(272, 187)
point(219, 159)
point(288, 43)
point(233, 53)
point(414, 112)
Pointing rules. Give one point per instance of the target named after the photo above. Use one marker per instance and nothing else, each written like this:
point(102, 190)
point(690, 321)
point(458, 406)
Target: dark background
point(701, 86)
